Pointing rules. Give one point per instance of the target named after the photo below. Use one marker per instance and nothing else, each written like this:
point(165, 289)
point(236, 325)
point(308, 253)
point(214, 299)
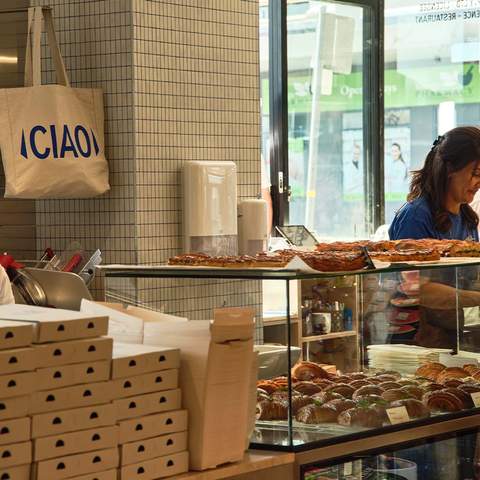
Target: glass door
point(334, 132)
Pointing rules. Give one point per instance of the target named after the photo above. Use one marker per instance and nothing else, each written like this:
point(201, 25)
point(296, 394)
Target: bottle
point(347, 319)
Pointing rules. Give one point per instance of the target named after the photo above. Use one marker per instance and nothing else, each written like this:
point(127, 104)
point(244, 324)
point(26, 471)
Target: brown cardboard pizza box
point(64, 421)
point(74, 351)
point(149, 448)
point(15, 430)
point(148, 404)
point(147, 383)
point(76, 374)
point(75, 442)
point(152, 426)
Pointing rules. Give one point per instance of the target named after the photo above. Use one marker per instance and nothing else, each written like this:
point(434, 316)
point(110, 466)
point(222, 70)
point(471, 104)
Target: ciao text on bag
point(56, 141)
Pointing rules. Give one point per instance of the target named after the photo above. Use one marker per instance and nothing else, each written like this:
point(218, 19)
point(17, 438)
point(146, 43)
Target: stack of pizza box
point(152, 425)
point(73, 420)
point(17, 382)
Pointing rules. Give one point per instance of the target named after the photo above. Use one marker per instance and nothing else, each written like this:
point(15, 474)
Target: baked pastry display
point(415, 408)
point(317, 414)
point(308, 371)
point(412, 255)
point(361, 399)
point(442, 401)
point(360, 417)
point(430, 370)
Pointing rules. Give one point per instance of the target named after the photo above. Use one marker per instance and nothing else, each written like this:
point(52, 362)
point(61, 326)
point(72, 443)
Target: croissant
point(390, 373)
point(360, 417)
point(327, 396)
point(463, 396)
point(404, 382)
point(300, 402)
point(357, 376)
point(386, 377)
point(430, 370)
point(415, 408)
point(316, 414)
point(340, 404)
point(442, 401)
point(342, 379)
point(359, 383)
point(272, 410)
point(470, 367)
point(308, 371)
point(414, 391)
point(342, 388)
point(267, 385)
point(322, 382)
point(390, 385)
point(469, 388)
point(452, 383)
point(396, 394)
point(367, 390)
point(451, 373)
point(307, 388)
point(432, 387)
point(369, 400)
point(375, 380)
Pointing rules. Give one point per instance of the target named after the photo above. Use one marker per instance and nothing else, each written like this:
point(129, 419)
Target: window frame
point(373, 111)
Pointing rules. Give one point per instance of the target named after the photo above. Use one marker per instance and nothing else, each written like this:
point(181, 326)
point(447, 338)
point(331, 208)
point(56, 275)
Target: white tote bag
point(51, 136)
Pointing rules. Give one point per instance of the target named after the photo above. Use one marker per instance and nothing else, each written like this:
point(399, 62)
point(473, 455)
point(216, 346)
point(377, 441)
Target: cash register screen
point(297, 235)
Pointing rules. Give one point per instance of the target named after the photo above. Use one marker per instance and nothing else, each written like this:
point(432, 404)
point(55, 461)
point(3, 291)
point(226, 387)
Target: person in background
point(266, 195)
point(476, 207)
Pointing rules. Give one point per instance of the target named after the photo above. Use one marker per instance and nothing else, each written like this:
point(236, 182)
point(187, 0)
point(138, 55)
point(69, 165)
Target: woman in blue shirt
point(438, 207)
point(441, 191)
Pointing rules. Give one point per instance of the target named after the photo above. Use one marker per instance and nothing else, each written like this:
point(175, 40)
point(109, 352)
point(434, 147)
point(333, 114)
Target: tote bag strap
point(33, 53)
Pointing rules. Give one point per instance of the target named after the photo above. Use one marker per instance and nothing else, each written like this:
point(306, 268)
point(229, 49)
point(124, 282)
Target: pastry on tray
point(415, 408)
point(367, 390)
point(360, 417)
point(272, 410)
point(308, 371)
point(307, 387)
point(340, 405)
point(442, 401)
point(430, 370)
point(314, 413)
point(343, 389)
point(451, 373)
point(327, 396)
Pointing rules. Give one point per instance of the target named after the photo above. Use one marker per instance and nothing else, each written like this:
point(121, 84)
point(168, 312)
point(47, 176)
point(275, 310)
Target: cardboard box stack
point(152, 425)
point(73, 419)
point(17, 362)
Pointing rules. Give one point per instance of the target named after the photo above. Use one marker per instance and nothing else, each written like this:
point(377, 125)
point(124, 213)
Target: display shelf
point(329, 336)
point(279, 320)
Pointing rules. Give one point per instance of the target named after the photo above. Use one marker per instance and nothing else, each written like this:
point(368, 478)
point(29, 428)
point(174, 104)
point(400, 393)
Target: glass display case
point(451, 457)
point(359, 359)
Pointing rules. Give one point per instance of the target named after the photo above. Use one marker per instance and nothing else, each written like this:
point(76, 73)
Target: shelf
point(328, 336)
point(279, 320)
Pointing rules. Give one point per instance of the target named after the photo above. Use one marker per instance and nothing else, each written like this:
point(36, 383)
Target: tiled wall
point(181, 83)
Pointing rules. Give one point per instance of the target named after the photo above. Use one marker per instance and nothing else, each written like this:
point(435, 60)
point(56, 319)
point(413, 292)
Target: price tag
point(476, 398)
point(348, 468)
point(398, 415)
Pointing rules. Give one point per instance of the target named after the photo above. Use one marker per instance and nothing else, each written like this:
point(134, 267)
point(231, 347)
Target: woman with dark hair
point(440, 192)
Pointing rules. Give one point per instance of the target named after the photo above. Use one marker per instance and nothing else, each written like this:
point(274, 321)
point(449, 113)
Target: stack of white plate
point(402, 358)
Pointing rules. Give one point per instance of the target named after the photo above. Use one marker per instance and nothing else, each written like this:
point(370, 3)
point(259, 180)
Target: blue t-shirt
point(415, 220)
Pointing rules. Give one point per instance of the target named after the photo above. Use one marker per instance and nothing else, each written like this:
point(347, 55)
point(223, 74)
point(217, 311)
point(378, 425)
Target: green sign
point(415, 87)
